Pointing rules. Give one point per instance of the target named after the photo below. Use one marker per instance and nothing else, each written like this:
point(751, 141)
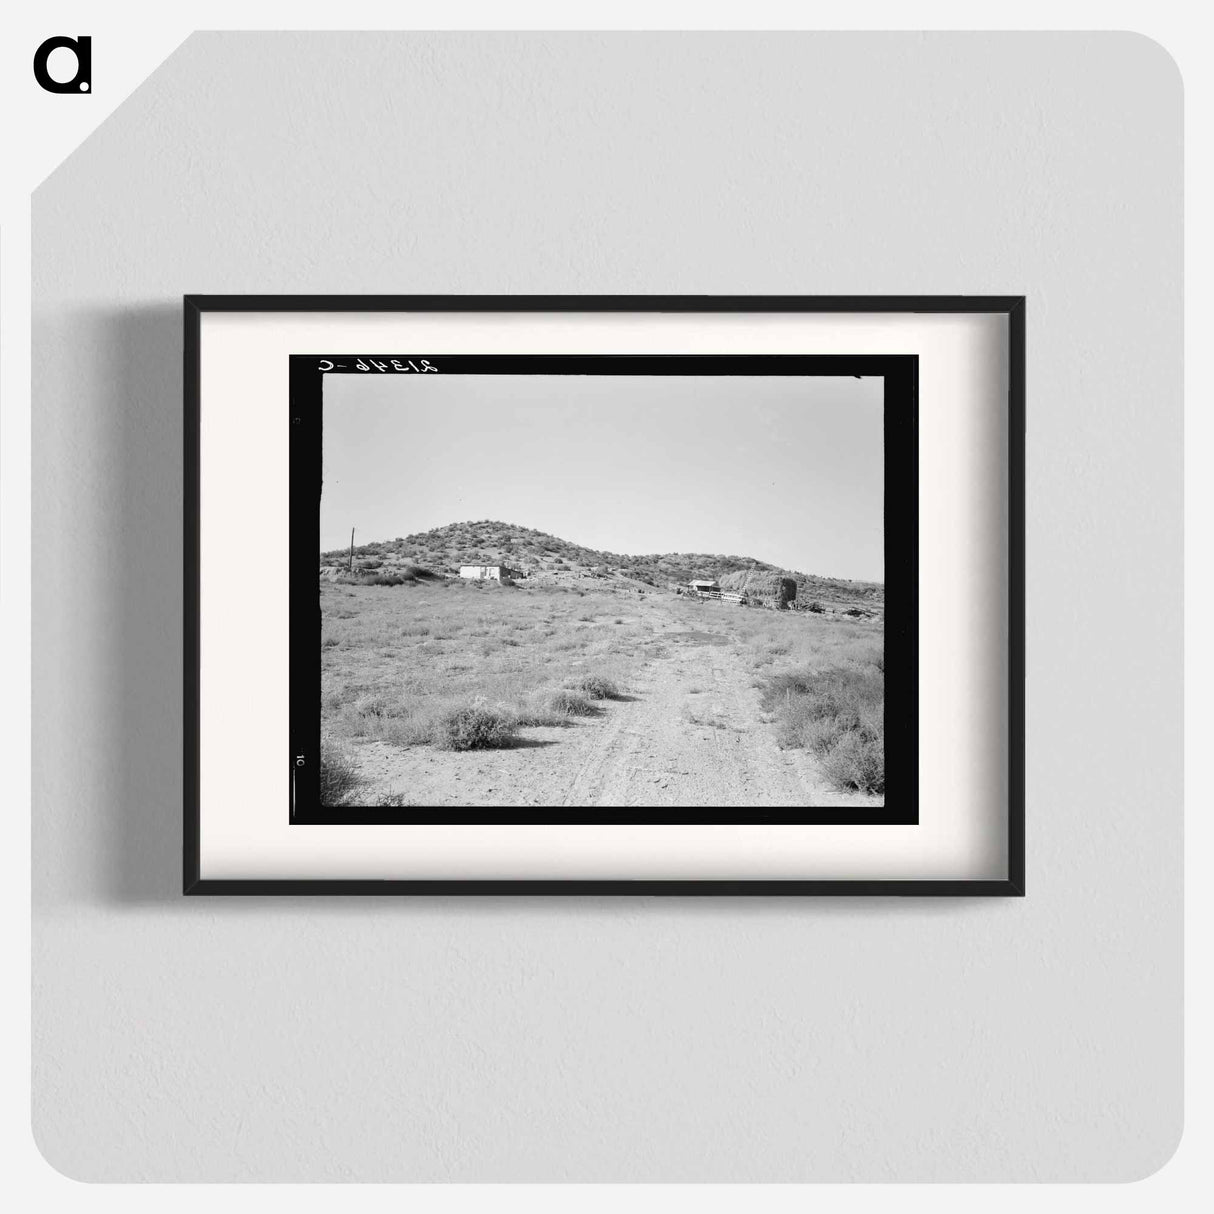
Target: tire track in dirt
point(676, 746)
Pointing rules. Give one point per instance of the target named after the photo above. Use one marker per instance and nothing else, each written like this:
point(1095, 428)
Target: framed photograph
point(733, 584)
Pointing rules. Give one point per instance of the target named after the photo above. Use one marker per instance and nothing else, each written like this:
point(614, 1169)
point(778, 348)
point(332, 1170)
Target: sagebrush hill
point(547, 560)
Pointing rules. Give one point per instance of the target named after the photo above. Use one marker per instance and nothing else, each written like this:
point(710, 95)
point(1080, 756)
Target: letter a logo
point(82, 81)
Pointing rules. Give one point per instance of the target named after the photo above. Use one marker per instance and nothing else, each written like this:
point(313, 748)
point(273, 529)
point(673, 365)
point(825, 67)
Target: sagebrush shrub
point(473, 728)
point(338, 779)
point(857, 761)
point(598, 688)
point(571, 704)
point(391, 800)
point(838, 715)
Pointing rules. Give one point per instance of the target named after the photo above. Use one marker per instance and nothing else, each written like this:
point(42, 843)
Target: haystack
point(761, 582)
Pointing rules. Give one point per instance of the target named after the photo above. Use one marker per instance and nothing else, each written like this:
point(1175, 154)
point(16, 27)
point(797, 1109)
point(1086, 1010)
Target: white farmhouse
point(490, 573)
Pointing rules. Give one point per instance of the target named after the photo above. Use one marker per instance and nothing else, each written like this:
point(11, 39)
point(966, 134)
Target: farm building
point(703, 584)
point(490, 573)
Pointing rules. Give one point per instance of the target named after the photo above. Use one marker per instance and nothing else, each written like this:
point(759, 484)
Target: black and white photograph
point(605, 584)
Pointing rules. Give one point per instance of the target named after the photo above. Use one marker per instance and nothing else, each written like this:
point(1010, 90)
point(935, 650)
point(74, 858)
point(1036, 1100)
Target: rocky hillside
point(545, 559)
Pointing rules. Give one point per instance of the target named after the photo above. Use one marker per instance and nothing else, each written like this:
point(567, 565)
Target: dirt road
point(689, 735)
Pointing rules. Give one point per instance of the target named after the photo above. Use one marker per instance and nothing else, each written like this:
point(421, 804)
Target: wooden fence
point(773, 601)
point(739, 600)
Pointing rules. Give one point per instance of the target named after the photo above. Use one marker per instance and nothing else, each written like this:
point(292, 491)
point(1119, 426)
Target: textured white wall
point(628, 1039)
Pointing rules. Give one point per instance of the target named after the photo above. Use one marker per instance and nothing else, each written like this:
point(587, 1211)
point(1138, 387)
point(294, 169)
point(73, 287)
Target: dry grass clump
point(339, 782)
point(838, 714)
point(338, 779)
point(474, 728)
point(855, 761)
point(571, 704)
point(597, 687)
point(376, 717)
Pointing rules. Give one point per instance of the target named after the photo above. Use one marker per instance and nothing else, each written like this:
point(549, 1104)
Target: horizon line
point(608, 552)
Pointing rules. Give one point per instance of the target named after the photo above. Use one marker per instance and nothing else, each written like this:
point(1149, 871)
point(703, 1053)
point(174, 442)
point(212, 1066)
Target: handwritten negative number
point(405, 365)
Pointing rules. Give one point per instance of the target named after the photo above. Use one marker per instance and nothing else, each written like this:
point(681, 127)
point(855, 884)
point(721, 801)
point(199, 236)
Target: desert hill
point(549, 560)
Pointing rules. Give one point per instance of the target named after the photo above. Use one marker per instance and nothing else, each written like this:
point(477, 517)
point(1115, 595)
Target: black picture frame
point(305, 382)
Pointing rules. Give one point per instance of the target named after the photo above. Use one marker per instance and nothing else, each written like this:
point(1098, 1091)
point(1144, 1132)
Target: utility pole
point(351, 549)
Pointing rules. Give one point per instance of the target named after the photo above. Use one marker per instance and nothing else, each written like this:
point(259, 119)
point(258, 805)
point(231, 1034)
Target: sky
point(786, 469)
